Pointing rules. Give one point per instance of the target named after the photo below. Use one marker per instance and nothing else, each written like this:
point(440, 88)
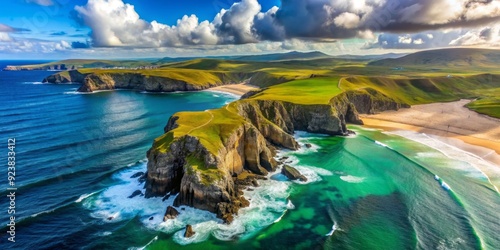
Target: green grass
point(305, 91)
point(489, 106)
point(207, 174)
point(211, 127)
point(425, 90)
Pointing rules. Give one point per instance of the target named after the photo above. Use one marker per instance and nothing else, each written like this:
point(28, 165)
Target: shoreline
point(481, 138)
point(234, 89)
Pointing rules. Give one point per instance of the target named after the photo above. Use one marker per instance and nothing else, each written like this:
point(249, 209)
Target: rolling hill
point(456, 57)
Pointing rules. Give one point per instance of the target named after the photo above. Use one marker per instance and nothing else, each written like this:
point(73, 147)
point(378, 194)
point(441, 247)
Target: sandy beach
point(235, 89)
point(450, 122)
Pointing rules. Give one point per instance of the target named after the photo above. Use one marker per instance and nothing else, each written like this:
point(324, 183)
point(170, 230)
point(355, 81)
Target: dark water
point(75, 154)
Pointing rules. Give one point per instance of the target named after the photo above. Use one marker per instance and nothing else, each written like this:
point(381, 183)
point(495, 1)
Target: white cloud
point(487, 36)
point(115, 23)
point(31, 46)
point(347, 20)
point(4, 37)
point(418, 41)
point(405, 39)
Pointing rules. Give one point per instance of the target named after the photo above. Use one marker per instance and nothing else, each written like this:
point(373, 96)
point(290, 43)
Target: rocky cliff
point(66, 77)
point(212, 179)
point(139, 81)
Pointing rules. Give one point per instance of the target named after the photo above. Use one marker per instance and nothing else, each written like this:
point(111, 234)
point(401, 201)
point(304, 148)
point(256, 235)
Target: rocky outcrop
point(189, 231)
point(206, 175)
point(171, 213)
point(292, 173)
point(65, 77)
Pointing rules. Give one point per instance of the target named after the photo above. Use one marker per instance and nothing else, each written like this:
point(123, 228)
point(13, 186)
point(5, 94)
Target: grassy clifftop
point(427, 90)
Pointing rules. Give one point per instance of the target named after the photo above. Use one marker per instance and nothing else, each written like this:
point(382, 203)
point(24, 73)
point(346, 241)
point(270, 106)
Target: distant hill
point(294, 55)
point(371, 57)
point(457, 57)
point(81, 63)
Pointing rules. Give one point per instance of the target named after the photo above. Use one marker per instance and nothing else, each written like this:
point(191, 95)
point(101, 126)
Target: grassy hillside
point(305, 91)
point(210, 126)
point(458, 57)
point(427, 90)
point(488, 105)
point(294, 55)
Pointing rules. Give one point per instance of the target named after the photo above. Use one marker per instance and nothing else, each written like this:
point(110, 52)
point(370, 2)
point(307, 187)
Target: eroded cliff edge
point(151, 81)
point(207, 157)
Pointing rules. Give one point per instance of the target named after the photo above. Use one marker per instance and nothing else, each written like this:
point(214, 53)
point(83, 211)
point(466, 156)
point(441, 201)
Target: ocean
point(75, 155)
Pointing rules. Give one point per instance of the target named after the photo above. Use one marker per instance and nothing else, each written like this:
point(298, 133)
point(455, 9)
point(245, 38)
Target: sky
point(60, 29)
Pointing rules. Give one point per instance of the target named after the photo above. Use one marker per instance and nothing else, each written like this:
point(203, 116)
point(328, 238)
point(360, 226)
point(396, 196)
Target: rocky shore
point(212, 178)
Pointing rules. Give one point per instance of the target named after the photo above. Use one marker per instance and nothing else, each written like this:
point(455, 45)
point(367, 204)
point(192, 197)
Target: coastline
point(234, 89)
point(481, 137)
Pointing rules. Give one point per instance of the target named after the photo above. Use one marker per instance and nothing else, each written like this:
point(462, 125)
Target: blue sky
point(140, 28)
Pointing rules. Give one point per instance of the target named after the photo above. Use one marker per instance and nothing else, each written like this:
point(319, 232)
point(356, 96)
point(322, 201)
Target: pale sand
point(235, 89)
point(451, 122)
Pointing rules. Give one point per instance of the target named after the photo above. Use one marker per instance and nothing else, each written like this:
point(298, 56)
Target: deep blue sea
point(76, 153)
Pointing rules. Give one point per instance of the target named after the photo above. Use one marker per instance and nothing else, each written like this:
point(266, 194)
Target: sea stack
point(189, 231)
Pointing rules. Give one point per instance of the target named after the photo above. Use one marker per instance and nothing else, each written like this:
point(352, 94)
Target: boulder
point(189, 231)
point(292, 173)
point(308, 145)
point(171, 213)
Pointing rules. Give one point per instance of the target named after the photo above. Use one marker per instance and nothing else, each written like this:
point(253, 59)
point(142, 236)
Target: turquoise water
point(76, 153)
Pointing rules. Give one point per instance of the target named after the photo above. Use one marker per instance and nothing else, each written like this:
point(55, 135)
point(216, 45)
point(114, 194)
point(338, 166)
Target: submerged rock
point(189, 231)
point(292, 173)
point(136, 175)
point(135, 193)
point(171, 213)
point(308, 145)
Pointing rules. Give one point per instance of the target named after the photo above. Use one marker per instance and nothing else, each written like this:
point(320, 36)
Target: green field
point(305, 91)
point(489, 106)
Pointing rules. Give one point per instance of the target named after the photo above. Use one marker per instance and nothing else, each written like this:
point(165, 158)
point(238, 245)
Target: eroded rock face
point(249, 148)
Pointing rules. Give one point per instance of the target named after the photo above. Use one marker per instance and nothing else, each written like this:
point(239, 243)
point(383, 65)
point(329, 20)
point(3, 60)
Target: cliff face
point(136, 81)
point(209, 180)
point(133, 81)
